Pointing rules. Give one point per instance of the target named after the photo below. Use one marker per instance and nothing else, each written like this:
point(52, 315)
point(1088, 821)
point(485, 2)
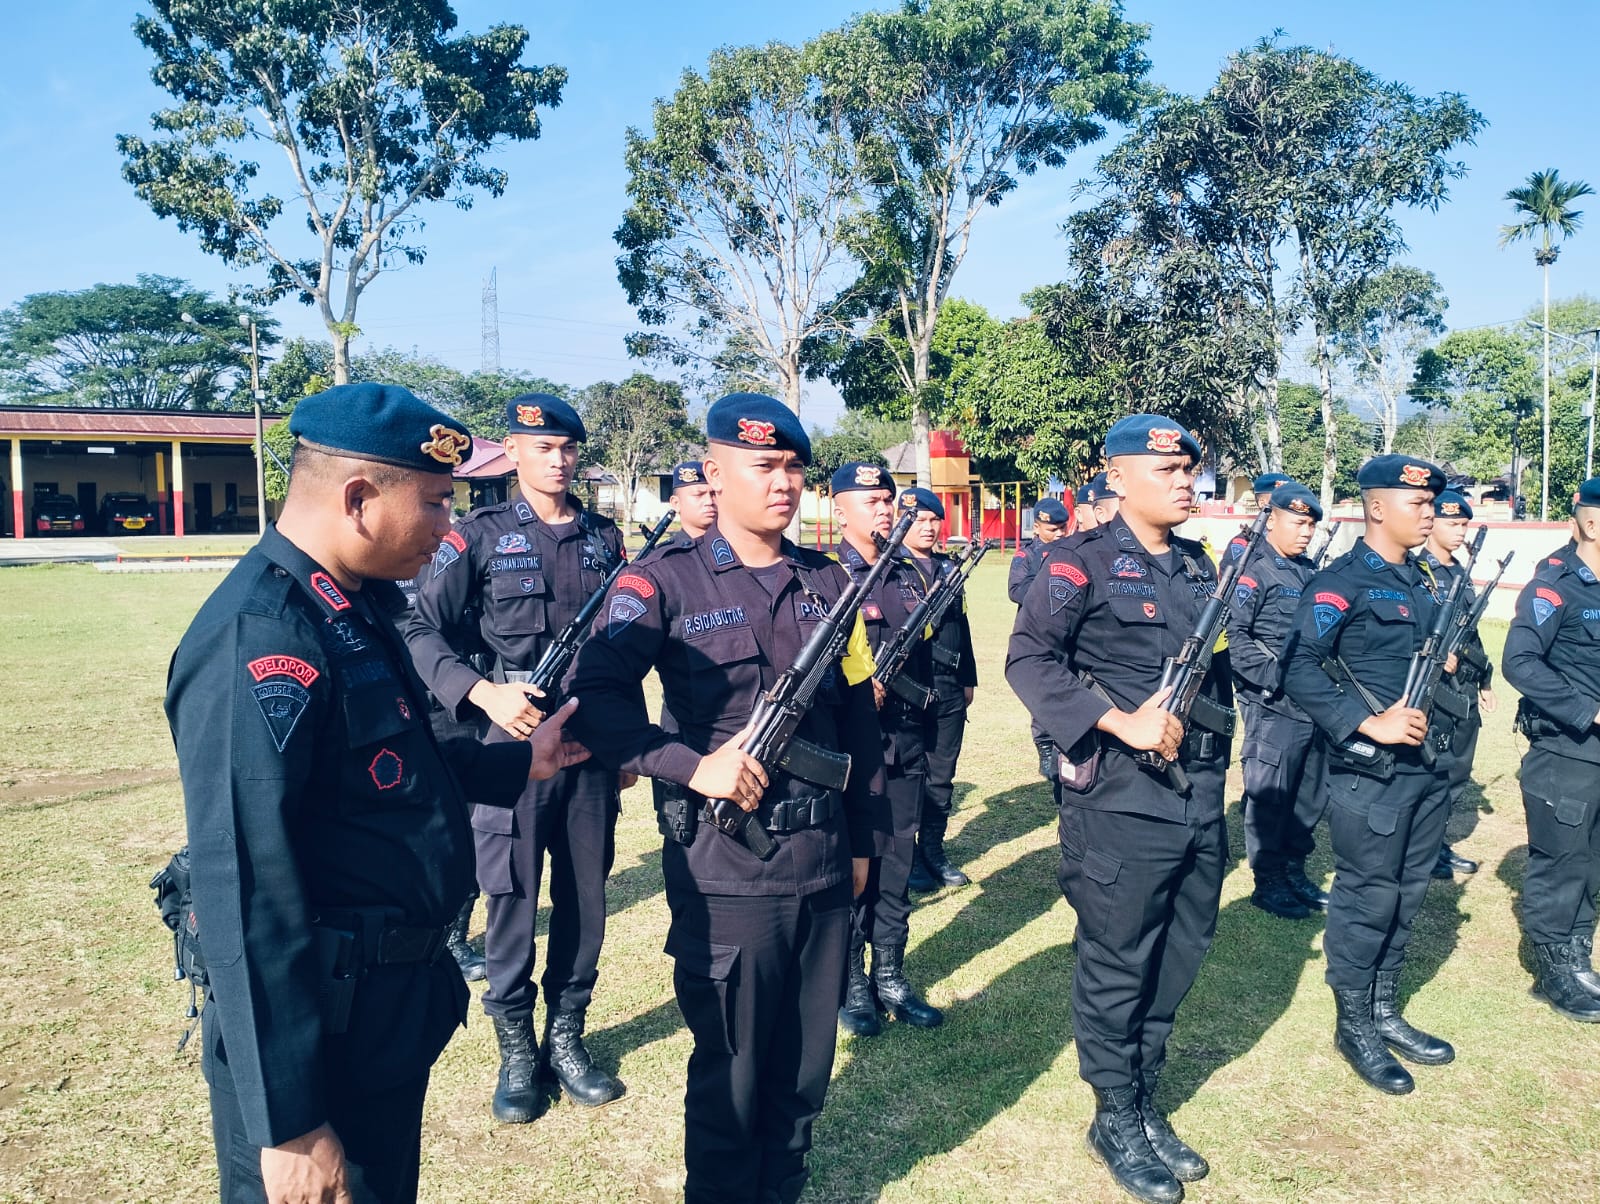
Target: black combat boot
point(930, 846)
point(1583, 954)
point(1274, 896)
point(1558, 984)
point(1176, 1154)
point(469, 959)
point(517, 1098)
point(1356, 1037)
point(1116, 1139)
point(1410, 1043)
point(1451, 863)
point(1307, 891)
point(859, 1015)
point(896, 995)
point(568, 1062)
point(922, 879)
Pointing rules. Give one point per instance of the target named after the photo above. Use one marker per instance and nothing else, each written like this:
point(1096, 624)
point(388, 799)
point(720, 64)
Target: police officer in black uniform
point(1264, 485)
point(759, 946)
point(1096, 505)
point(955, 677)
point(1049, 524)
point(863, 509)
point(1470, 683)
point(1364, 616)
point(327, 825)
point(1552, 657)
point(1281, 757)
point(1141, 863)
point(693, 499)
point(527, 566)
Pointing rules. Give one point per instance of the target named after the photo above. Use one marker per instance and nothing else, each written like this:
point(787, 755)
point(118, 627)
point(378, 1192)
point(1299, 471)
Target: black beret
point(1150, 435)
point(1451, 504)
point(1296, 499)
point(1268, 481)
point(1051, 510)
point(690, 472)
point(756, 420)
point(543, 414)
point(922, 499)
point(1400, 472)
point(385, 423)
point(855, 476)
point(1588, 493)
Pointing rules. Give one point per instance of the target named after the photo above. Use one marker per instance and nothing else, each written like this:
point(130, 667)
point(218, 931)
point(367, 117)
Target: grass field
point(94, 1105)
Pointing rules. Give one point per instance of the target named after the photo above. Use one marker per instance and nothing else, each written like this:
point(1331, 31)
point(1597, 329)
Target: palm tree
point(1544, 206)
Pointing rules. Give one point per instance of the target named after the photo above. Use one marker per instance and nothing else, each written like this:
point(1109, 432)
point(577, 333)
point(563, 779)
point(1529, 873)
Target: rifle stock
point(1427, 664)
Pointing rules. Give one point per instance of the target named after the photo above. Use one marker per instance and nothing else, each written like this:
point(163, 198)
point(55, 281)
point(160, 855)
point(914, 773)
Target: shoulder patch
point(721, 553)
point(637, 584)
point(1374, 561)
point(1328, 611)
point(1245, 588)
point(264, 667)
point(281, 704)
point(1060, 568)
point(523, 511)
point(625, 608)
point(1236, 547)
point(1545, 601)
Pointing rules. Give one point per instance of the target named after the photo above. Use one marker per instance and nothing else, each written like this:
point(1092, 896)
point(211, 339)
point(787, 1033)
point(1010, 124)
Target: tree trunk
point(1270, 415)
point(921, 428)
point(341, 353)
point(789, 378)
point(1544, 454)
point(1330, 422)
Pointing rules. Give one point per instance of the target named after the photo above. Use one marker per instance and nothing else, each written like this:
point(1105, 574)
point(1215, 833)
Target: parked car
point(56, 513)
point(126, 513)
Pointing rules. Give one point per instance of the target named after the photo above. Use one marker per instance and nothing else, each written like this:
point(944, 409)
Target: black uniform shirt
point(1371, 613)
point(1259, 622)
point(1110, 608)
point(718, 639)
point(312, 781)
point(897, 594)
point(1552, 653)
point(526, 579)
point(955, 665)
point(1025, 567)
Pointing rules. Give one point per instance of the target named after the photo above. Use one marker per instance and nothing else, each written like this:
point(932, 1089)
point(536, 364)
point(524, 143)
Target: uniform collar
point(523, 510)
point(1567, 558)
point(720, 556)
point(317, 583)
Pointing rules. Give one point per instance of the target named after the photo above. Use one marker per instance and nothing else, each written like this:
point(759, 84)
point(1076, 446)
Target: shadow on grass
point(1512, 871)
point(611, 1043)
point(634, 885)
point(1004, 816)
point(909, 1095)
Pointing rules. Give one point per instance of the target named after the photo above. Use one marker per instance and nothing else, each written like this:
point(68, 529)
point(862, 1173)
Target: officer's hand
point(1452, 662)
point(879, 694)
point(730, 772)
point(1487, 702)
point(858, 875)
point(553, 751)
point(1149, 728)
point(968, 691)
point(1400, 724)
point(507, 705)
point(626, 780)
point(308, 1170)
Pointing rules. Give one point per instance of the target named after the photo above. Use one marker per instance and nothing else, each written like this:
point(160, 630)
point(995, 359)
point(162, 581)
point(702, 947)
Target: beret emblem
point(445, 445)
point(530, 415)
point(1164, 440)
point(761, 434)
point(1414, 475)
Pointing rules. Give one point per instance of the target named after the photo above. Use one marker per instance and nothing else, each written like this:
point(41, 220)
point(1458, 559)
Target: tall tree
point(1387, 323)
point(866, 370)
point(951, 101)
point(376, 110)
point(1544, 209)
point(740, 195)
point(126, 345)
point(1486, 378)
point(633, 427)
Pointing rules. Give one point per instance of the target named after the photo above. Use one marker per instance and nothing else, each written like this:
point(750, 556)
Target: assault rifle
point(891, 655)
point(967, 563)
point(1427, 663)
point(558, 654)
point(1186, 672)
point(780, 711)
point(1475, 665)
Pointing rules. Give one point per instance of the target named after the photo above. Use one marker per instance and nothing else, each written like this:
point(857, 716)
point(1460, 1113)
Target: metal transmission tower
point(491, 323)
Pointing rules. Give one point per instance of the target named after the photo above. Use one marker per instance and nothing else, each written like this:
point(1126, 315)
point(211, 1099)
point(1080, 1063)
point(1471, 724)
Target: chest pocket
point(518, 602)
point(723, 662)
point(381, 765)
point(1138, 612)
point(1398, 623)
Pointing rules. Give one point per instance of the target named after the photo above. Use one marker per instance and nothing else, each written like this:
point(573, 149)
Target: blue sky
point(72, 77)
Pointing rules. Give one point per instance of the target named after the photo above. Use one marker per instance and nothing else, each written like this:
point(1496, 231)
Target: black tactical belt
point(791, 815)
point(946, 658)
point(378, 944)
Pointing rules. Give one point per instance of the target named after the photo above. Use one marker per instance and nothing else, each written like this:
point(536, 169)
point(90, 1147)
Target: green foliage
point(633, 427)
point(1300, 407)
point(1489, 380)
point(377, 110)
point(866, 369)
point(738, 199)
point(829, 452)
point(1544, 208)
point(126, 345)
point(950, 102)
point(1387, 322)
point(302, 368)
